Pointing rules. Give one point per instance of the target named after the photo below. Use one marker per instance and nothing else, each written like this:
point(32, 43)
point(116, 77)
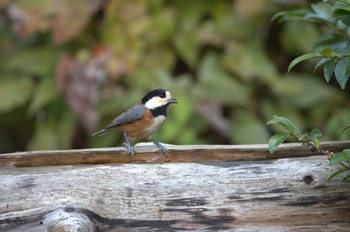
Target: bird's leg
point(128, 146)
point(160, 146)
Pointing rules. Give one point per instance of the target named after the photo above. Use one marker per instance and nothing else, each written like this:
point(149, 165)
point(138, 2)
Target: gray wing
point(131, 115)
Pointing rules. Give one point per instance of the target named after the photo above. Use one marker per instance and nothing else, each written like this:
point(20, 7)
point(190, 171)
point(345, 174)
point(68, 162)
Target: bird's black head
point(153, 93)
point(157, 98)
point(157, 101)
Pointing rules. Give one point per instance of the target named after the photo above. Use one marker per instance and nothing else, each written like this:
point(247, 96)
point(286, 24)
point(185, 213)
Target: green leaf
point(345, 20)
point(344, 179)
point(287, 124)
point(321, 62)
point(344, 2)
point(321, 13)
point(327, 52)
point(315, 133)
point(15, 92)
point(328, 69)
point(337, 122)
point(340, 157)
point(276, 140)
point(344, 130)
point(44, 93)
point(299, 59)
point(316, 142)
point(334, 174)
point(323, 10)
point(328, 40)
point(342, 71)
point(305, 137)
point(341, 9)
point(288, 15)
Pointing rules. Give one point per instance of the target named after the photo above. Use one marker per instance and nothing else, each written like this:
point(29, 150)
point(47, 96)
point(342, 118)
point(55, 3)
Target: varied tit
point(143, 119)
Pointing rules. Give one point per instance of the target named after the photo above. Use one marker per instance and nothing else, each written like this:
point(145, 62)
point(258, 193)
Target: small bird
point(143, 119)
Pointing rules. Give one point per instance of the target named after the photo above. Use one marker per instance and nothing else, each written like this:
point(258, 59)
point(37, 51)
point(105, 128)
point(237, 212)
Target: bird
point(143, 119)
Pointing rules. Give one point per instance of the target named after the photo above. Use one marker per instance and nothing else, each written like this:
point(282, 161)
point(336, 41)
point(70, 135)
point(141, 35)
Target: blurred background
point(68, 68)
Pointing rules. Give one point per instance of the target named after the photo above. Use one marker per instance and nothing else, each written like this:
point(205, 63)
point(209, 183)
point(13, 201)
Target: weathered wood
point(69, 219)
point(150, 154)
point(289, 194)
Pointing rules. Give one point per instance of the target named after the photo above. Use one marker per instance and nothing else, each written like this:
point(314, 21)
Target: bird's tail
point(101, 132)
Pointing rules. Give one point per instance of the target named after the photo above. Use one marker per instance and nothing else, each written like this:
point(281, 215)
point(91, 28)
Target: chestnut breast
point(144, 127)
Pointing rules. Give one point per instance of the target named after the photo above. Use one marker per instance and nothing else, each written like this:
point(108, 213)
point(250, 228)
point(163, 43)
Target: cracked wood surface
point(289, 194)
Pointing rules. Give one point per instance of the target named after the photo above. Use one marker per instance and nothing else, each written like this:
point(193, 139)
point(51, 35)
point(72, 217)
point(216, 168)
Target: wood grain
point(290, 194)
point(147, 153)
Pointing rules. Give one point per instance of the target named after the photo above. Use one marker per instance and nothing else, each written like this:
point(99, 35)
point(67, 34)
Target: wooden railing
point(198, 187)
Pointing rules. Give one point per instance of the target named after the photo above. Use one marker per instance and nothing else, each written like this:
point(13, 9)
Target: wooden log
point(149, 154)
point(290, 194)
point(69, 219)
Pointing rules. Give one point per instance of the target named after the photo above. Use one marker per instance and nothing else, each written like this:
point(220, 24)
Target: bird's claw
point(161, 147)
point(131, 150)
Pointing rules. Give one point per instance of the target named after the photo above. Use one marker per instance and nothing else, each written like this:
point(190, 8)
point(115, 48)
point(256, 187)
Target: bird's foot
point(131, 150)
point(161, 147)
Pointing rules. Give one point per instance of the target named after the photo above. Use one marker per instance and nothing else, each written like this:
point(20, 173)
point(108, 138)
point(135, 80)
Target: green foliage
point(310, 140)
point(217, 88)
point(345, 129)
point(302, 58)
point(249, 128)
point(287, 125)
point(340, 171)
point(276, 140)
point(333, 49)
point(333, 53)
point(341, 158)
point(70, 68)
point(16, 93)
point(313, 136)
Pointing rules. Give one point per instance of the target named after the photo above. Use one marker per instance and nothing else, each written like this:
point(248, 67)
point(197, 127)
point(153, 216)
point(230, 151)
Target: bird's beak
point(172, 100)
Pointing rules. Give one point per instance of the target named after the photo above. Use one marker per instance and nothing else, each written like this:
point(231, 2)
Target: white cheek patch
point(154, 103)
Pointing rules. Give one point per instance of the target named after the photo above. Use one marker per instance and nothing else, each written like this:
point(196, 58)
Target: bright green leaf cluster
point(286, 124)
point(292, 130)
point(333, 49)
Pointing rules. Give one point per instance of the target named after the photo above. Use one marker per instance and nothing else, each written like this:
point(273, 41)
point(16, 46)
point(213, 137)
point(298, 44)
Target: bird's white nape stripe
point(155, 102)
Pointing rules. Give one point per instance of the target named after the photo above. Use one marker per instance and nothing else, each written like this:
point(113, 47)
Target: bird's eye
point(162, 95)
